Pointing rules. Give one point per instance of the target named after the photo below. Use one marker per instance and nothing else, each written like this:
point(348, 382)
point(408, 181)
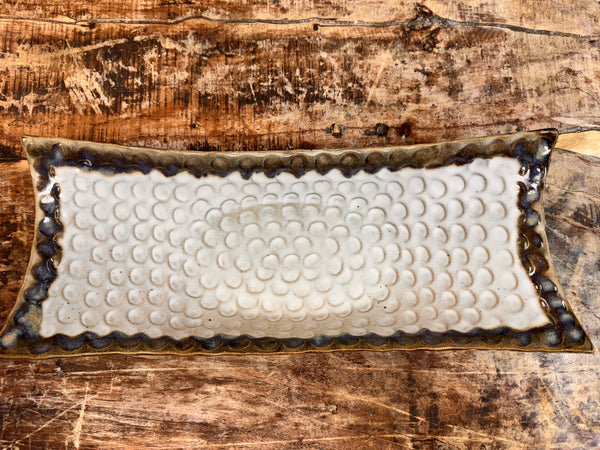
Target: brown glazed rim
point(20, 336)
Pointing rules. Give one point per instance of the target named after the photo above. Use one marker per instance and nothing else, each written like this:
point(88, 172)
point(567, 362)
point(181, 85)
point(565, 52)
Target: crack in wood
point(418, 22)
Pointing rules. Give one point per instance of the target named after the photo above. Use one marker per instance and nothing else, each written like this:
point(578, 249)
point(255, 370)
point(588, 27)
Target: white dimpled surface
point(291, 257)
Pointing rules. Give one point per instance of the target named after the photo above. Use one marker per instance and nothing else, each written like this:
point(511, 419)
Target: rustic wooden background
point(273, 74)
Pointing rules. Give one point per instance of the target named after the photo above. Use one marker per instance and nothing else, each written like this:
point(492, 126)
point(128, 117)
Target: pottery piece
point(425, 246)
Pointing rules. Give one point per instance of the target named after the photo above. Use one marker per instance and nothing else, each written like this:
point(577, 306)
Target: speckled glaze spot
point(324, 255)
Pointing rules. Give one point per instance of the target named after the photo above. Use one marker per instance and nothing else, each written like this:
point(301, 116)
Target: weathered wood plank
point(332, 400)
point(452, 399)
point(201, 84)
point(579, 16)
point(587, 143)
point(16, 230)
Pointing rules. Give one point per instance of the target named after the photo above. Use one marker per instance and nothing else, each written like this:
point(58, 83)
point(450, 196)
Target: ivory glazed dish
point(427, 246)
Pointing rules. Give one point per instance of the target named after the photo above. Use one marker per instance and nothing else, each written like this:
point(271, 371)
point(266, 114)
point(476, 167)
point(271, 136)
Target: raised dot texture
point(281, 256)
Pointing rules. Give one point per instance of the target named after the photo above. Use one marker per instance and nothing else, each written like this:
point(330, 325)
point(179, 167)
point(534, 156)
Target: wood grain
point(587, 143)
point(574, 16)
point(16, 230)
point(249, 78)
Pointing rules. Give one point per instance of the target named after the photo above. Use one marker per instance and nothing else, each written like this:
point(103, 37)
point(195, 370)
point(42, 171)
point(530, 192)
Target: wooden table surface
point(276, 74)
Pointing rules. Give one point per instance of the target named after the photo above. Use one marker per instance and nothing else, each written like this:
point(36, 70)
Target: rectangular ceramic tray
point(427, 246)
